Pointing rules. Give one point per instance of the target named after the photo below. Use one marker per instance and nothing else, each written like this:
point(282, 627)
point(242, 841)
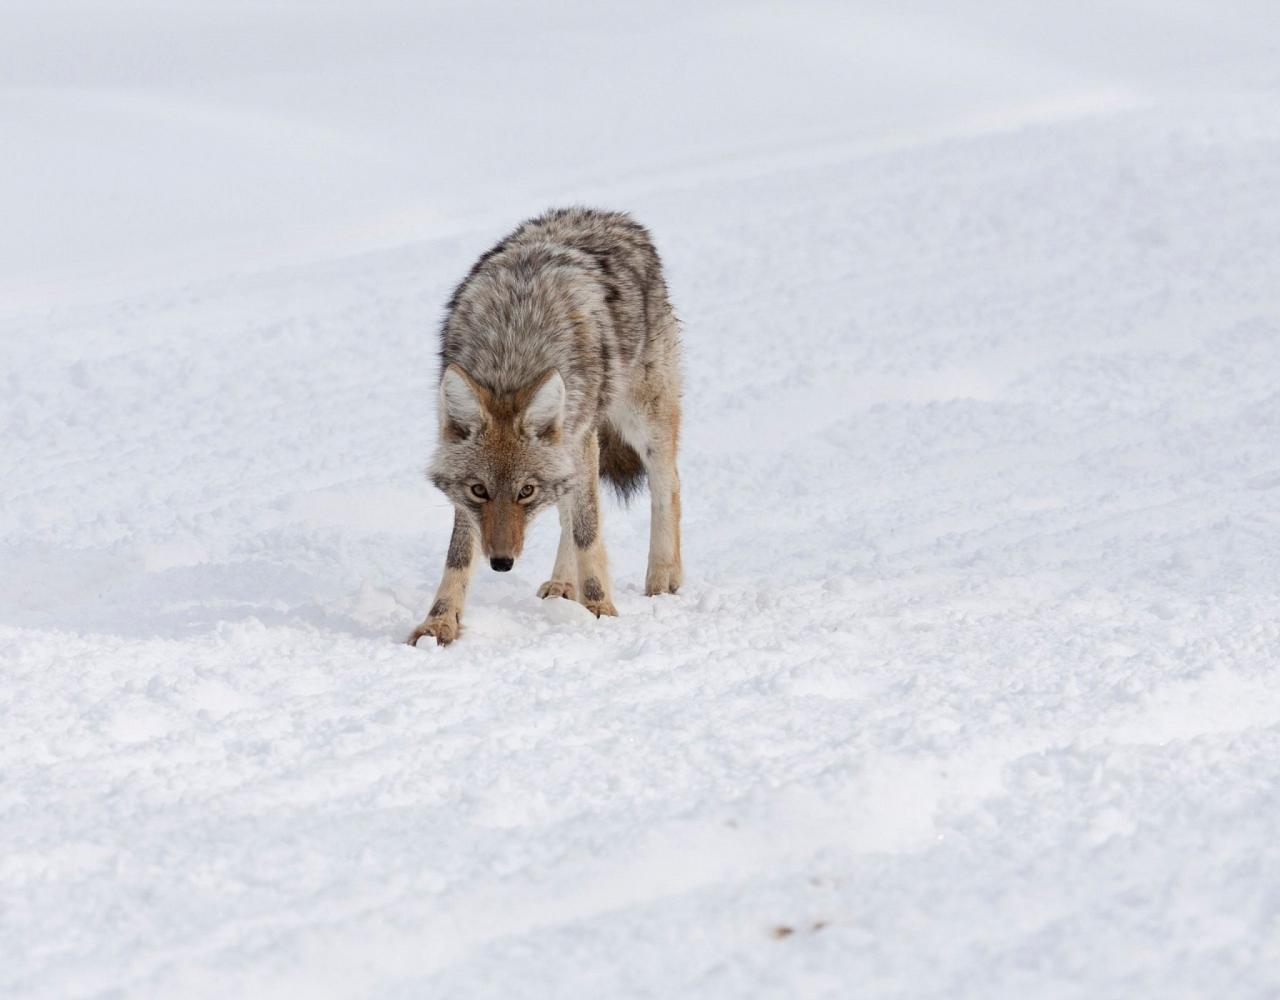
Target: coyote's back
point(578, 290)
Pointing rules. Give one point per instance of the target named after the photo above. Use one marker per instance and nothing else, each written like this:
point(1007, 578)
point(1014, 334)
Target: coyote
point(560, 365)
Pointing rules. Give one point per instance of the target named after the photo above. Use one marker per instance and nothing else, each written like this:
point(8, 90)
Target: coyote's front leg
point(564, 576)
point(444, 620)
point(596, 593)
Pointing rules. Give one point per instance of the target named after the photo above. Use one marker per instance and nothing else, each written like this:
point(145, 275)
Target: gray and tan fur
point(560, 364)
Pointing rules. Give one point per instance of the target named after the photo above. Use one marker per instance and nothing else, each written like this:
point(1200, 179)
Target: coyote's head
point(502, 457)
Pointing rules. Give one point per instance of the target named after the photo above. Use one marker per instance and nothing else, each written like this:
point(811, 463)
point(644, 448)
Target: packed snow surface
point(972, 689)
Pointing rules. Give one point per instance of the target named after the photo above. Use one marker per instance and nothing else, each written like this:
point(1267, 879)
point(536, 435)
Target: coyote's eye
point(479, 492)
point(527, 490)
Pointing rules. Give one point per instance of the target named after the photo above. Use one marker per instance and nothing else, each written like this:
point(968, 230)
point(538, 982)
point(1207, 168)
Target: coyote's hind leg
point(665, 572)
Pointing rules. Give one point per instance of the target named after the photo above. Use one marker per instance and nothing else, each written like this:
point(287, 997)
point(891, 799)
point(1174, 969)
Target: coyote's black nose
point(502, 563)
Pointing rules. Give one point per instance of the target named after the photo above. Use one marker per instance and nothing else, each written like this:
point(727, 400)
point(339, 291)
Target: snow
point(971, 690)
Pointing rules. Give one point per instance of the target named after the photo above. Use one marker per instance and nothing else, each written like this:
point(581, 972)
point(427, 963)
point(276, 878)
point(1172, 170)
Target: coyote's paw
point(664, 578)
point(601, 608)
point(444, 624)
point(595, 600)
point(557, 588)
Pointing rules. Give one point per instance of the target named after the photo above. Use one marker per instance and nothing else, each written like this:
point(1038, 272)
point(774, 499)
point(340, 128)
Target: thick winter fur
point(560, 363)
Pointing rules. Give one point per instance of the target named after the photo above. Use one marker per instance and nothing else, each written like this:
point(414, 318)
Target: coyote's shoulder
point(559, 363)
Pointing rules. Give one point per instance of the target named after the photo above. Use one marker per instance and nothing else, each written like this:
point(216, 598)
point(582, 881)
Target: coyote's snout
point(560, 366)
point(502, 533)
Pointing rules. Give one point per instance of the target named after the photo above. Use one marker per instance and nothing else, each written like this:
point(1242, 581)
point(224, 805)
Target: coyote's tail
point(619, 463)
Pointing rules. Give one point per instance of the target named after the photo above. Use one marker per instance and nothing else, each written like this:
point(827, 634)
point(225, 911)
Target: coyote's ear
point(462, 405)
point(543, 415)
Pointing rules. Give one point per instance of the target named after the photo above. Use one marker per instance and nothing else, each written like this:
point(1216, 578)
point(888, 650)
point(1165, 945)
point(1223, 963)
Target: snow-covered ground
point(973, 687)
